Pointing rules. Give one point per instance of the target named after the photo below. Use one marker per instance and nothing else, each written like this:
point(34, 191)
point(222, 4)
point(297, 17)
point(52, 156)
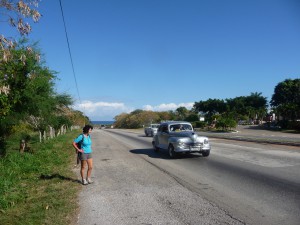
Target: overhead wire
point(69, 48)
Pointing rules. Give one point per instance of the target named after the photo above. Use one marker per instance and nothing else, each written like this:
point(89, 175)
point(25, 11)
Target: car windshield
point(181, 127)
point(155, 125)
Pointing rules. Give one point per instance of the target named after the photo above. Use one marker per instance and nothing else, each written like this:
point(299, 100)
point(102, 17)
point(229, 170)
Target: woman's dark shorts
point(84, 156)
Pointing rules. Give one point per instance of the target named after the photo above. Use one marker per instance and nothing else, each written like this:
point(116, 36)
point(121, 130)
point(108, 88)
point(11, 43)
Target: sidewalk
point(257, 134)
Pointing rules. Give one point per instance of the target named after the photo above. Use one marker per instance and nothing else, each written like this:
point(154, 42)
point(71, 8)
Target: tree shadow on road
point(162, 154)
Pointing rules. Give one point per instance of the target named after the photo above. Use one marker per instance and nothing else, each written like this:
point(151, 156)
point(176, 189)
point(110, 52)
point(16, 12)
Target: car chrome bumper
point(190, 148)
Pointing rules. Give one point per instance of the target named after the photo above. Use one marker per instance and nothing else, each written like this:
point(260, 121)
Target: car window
point(164, 128)
point(160, 128)
point(187, 127)
point(174, 127)
point(181, 127)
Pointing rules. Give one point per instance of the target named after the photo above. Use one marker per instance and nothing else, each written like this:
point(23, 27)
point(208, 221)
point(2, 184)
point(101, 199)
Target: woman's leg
point(83, 163)
point(90, 167)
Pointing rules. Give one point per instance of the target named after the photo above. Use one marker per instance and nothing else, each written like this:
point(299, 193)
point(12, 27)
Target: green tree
point(286, 99)
point(61, 120)
point(164, 116)
point(253, 106)
point(15, 76)
point(120, 120)
point(32, 92)
point(181, 113)
point(29, 95)
point(139, 118)
point(210, 107)
point(136, 119)
point(257, 105)
point(236, 107)
point(192, 117)
point(76, 117)
point(149, 117)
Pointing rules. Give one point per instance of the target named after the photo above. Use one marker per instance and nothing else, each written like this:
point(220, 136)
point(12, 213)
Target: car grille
point(194, 145)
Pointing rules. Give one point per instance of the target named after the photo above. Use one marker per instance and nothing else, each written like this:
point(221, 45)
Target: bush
point(199, 124)
point(226, 124)
point(296, 125)
point(293, 125)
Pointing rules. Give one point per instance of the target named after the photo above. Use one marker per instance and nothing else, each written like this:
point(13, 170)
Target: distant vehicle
point(179, 137)
point(151, 130)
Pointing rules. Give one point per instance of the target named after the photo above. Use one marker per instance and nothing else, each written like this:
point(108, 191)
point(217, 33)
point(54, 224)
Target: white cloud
point(90, 107)
point(108, 110)
point(102, 110)
point(168, 106)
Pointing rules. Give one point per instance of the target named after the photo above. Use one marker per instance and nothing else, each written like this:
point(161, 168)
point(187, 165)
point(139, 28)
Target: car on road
point(151, 130)
point(179, 137)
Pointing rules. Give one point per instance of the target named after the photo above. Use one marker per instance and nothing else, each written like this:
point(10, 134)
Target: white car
point(179, 137)
point(151, 130)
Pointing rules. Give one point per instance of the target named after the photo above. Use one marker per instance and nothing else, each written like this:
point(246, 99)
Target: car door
point(163, 137)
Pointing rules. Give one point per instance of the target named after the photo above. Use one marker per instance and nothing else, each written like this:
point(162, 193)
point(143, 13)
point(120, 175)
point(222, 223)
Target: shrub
point(199, 124)
point(226, 123)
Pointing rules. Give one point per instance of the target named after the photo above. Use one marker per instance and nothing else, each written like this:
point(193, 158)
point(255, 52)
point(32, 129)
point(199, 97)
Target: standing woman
point(85, 153)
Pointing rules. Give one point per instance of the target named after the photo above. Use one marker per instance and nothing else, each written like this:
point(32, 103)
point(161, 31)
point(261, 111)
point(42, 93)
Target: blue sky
point(162, 54)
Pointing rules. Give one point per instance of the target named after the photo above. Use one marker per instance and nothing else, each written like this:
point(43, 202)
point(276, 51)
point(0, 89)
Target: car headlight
point(180, 142)
point(205, 141)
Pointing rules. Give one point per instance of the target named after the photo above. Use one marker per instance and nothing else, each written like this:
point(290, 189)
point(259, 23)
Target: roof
point(175, 122)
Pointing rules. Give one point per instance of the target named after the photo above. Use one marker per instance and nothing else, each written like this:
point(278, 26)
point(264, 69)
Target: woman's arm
point(76, 147)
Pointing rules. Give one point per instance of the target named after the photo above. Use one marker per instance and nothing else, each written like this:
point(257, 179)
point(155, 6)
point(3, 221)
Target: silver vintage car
point(179, 137)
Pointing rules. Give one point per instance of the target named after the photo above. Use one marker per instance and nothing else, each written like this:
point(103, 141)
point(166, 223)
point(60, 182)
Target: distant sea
point(103, 122)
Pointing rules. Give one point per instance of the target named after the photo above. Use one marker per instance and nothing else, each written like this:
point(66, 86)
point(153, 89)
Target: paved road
point(130, 190)
point(256, 134)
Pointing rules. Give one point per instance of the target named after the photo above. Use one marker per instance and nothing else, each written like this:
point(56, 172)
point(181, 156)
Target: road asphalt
point(129, 189)
point(257, 134)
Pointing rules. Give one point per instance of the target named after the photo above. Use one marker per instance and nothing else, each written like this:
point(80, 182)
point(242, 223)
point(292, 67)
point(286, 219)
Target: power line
point(62, 13)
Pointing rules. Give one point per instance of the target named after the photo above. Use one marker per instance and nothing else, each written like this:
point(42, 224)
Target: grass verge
point(40, 187)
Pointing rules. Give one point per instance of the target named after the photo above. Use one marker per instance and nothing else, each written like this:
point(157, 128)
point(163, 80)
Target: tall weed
point(39, 187)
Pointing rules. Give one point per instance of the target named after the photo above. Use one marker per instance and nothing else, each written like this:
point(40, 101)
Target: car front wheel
point(156, 149)
point(171, 151)
point(205, 154)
